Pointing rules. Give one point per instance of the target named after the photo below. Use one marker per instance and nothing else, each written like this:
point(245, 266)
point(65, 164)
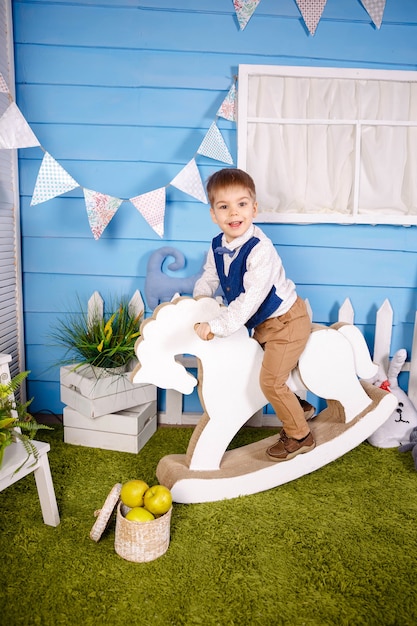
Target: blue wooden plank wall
point(121, 93)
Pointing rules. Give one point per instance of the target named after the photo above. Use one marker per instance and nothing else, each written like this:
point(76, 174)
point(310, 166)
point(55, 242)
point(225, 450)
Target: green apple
point(157, 499)
point(139, 514)
point(132, 493)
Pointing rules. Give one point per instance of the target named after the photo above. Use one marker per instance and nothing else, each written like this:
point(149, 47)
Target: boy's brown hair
point(229, 177)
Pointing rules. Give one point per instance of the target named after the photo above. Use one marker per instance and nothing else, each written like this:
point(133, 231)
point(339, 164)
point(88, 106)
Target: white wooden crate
point(125, 431)
point(94, 397)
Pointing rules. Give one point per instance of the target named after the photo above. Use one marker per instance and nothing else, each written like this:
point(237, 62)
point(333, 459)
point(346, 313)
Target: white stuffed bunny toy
point(397, 429)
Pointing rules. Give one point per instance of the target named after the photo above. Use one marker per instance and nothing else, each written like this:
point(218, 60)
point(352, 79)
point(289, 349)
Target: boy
point(243, 260)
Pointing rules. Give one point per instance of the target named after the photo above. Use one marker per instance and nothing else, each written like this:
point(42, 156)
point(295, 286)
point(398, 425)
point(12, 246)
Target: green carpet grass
point(338, 546)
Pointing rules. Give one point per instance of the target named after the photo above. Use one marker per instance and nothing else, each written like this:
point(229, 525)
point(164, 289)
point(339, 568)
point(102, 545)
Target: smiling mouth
point(234, 224)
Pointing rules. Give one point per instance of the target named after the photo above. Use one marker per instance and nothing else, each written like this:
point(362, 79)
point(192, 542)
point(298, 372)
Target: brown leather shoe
point(287, 447)
point(309, 409)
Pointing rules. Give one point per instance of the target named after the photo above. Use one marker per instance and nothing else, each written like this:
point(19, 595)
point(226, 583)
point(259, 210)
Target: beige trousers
point(283, 339)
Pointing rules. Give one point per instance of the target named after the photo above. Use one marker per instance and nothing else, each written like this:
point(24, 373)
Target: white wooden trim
point(353, 214)
point(246, 70)
point(11, 330)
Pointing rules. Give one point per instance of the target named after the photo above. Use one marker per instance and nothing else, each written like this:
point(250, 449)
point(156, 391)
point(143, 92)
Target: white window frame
point(243, 148)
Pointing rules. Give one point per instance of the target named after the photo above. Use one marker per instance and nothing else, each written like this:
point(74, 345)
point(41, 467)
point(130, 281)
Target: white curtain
point(312, 168)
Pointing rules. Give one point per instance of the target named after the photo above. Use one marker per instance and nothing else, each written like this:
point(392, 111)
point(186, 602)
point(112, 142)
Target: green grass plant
point(16, 423)
point(105, 341)
point(335, 547)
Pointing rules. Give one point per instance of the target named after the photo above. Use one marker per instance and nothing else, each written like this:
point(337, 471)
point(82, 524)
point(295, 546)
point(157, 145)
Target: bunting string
point(100, 210)
point(53, 180)
point(152, 207)
point(311, 11)
point(15, 132)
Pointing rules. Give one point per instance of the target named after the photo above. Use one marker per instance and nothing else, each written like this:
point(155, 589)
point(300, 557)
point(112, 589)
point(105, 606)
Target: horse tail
point(364, 366)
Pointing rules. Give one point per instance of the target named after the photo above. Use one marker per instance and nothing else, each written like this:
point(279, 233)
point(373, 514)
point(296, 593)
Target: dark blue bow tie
point(224, 250)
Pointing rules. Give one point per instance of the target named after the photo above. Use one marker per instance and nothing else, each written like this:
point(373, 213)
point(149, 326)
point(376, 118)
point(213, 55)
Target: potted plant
point(103, 408)
point(16, 424)
point(103, 341)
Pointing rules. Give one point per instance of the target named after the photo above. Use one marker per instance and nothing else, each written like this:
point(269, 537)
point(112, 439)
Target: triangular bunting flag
point(15, 132)
point(311, 10)
point(151, 205)
point(3, 85)
point(375, 9)
point(52, 181)
point(244, 10)
point(189, 181)
point(100, 210)
point(228, 107)
point(213, 146)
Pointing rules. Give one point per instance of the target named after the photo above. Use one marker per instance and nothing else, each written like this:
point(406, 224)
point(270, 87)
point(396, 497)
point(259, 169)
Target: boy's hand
point(203, 330)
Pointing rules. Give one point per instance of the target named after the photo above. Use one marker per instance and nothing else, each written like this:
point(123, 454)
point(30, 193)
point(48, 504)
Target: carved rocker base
point(248, 470)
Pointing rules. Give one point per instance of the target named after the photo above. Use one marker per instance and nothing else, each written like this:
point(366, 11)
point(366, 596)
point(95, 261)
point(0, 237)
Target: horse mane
point(175, 310)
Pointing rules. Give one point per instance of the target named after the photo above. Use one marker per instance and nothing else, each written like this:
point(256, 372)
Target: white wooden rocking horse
point(229, 391)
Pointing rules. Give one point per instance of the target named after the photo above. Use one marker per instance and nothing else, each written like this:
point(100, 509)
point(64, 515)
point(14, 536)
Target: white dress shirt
point(264, 269)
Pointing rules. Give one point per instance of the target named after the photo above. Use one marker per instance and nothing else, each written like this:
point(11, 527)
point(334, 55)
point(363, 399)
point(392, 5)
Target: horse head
point(169, 375)
point(168, 333)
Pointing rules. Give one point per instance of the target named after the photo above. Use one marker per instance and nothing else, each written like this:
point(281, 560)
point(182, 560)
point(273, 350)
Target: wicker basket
point(141, 541)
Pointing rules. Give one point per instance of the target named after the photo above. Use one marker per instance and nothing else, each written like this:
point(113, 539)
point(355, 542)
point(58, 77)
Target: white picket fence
point(95, 306)
point(174, 413)
point(382, 342)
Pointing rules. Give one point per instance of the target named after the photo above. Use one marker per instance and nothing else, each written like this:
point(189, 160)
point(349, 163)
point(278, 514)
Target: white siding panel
point(11, 335)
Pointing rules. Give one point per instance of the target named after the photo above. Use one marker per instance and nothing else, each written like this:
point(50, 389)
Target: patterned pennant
point(189, 181)
point(228, 107)
point(311, 10)
point(151, 205)
point(52, 181)
point(15, 132)
point(3, 85)
point(100, 210)
point(213, 146)
point(244, 10)
point(375, 9)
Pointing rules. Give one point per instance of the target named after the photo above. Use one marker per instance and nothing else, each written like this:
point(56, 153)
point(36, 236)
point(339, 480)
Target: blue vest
point(232, 284)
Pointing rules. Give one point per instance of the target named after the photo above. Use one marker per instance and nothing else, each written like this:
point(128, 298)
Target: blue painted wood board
point(121, 94)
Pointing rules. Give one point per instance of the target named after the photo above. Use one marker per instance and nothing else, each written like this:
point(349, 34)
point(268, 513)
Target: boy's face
point(233, 210)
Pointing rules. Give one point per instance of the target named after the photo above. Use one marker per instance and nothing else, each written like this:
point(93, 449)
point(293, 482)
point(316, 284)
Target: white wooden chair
point(15, 455)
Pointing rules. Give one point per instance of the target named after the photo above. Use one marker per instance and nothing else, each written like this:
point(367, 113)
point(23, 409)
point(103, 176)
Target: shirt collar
point(239, 241)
